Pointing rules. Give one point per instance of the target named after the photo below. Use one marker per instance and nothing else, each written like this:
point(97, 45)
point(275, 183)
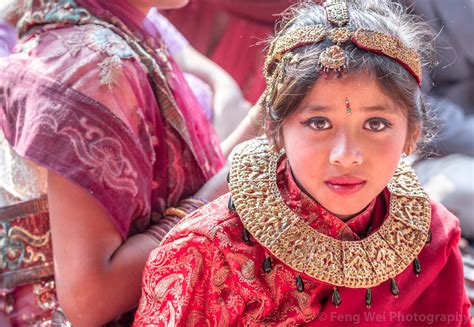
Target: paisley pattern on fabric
point(234, 290)
point(223, 297)
point(232, 287)
point(233, 275)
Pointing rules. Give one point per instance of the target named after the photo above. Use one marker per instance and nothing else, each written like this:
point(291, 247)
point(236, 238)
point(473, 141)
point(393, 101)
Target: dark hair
point(395, 81)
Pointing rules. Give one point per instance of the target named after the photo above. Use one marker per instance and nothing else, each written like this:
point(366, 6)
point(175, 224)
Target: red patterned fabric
point(205, 274)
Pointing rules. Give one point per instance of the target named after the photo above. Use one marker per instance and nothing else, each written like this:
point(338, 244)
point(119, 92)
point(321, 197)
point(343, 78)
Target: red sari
point(208, 272)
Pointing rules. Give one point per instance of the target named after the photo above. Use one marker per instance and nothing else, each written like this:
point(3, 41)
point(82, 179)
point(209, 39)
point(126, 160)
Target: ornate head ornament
point(334, 58)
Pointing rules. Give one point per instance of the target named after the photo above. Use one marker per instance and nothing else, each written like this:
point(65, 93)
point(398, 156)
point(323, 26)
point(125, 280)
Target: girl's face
point(345, 160)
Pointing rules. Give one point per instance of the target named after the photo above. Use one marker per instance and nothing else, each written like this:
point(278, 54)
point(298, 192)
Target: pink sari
point(91, 93)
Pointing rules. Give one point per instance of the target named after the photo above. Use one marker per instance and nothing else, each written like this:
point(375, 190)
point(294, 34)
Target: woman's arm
point(98, 275)
point(248, 128)
point(229, 105)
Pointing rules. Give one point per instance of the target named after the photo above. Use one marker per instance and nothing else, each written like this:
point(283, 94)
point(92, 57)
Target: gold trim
point(172, 211)
point(356, 264)
point(385, 44)
point(339, 35)
point(336, 12)
point(391, 47)
point(293, 39)
point(332, 58)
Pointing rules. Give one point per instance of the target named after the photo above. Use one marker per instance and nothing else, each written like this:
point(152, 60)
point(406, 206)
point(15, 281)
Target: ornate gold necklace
point(356, 264)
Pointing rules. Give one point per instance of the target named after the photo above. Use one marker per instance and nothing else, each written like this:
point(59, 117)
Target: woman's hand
point(230, 108)
point(229, 105)
point(248, 128)
point(215, 187)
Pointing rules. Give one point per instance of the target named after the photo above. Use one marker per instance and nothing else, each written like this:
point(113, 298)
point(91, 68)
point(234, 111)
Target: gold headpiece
point(334, 57)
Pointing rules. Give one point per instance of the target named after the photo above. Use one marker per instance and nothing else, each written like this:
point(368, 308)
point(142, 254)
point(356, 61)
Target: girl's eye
point(318, 123)
point(377, 124)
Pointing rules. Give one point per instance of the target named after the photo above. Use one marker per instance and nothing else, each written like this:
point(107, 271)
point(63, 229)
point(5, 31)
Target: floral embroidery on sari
point(110, 71)
point(73, 43)
point(57, 12)
point(100, 40)
point(64, 10)
point(104, 40)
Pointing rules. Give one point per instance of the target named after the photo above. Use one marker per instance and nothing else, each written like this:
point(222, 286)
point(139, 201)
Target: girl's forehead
point(356, 81)
point(358, 88)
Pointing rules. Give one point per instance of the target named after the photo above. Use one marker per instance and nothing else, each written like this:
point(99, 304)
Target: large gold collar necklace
point(356, 264)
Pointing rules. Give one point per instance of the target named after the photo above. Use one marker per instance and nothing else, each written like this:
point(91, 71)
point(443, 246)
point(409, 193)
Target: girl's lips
point(345, 185)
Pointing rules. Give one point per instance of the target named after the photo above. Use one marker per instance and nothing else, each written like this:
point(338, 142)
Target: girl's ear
point(276, 140)
point(412, 140)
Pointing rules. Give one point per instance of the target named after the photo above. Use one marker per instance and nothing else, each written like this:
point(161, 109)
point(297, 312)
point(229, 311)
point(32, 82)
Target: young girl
point(324, 223)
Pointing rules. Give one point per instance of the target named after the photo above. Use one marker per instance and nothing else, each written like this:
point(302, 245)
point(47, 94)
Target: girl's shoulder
point(444, 228)
point(212, 221)
point(442, 217)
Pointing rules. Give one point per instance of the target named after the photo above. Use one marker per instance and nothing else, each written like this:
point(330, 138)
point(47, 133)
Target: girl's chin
point(351, 206)
point(347, 214)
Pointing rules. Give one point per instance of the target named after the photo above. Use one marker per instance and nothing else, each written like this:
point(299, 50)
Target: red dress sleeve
point(445, 302)
point(179, 285)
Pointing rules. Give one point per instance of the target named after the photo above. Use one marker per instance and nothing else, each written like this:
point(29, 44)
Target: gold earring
point(273, 148)
point(409, 150)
